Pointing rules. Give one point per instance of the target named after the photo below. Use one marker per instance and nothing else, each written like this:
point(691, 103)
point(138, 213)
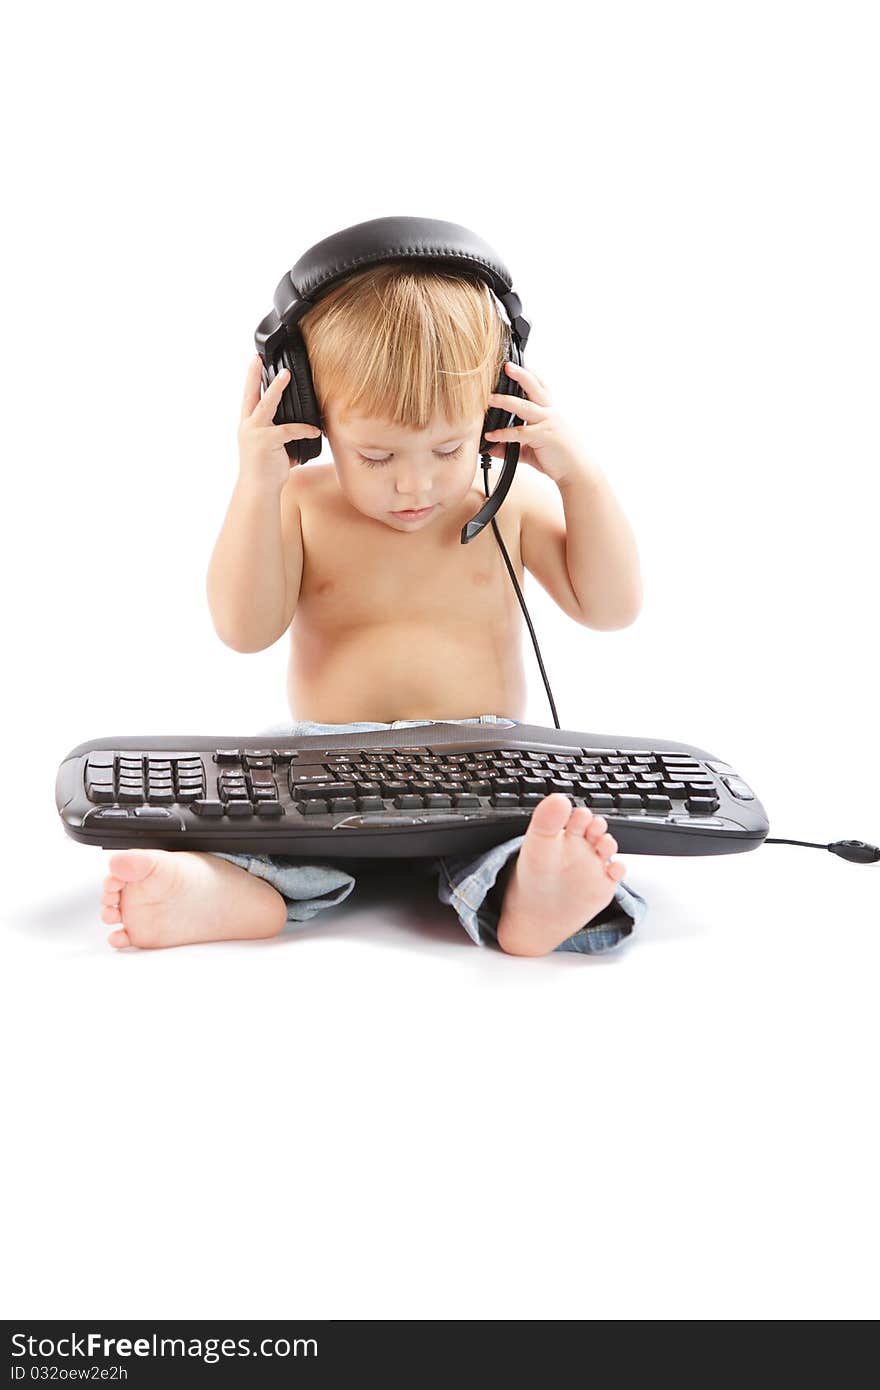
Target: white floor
point(377, 1118)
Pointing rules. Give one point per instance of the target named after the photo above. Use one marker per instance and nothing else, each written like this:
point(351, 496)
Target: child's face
point(384, 469)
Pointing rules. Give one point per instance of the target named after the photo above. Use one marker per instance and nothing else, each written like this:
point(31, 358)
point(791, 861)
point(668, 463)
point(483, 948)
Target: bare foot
point(175, 898)
point(560, 880)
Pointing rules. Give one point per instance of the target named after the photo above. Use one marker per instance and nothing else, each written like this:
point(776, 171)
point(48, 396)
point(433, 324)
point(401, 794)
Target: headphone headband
point(343, 253)
point(279, 340)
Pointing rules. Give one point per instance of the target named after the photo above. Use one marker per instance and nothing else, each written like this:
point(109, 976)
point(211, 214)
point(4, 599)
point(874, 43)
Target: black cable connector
point(856, 851)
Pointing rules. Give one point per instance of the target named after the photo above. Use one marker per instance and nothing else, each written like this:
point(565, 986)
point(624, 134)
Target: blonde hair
point(405, 342)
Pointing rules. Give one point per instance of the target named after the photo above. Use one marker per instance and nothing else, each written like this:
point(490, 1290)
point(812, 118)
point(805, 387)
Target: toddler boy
point(393, 623)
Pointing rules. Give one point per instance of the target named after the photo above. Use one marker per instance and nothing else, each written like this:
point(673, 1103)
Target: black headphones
point(280, 342)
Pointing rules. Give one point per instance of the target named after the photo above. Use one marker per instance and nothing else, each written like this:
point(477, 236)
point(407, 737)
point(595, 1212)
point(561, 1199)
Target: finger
point(527, 410)
point(285, 433)
point(264, 410)
point(518, 432)
point(517, 370)
point(528, 380)
point(251, 386)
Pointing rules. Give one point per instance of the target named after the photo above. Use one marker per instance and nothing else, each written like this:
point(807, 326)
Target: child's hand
point(545, 441)
point(261, 452)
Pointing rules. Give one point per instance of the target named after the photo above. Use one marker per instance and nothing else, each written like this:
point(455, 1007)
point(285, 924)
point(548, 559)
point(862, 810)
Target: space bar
point(380, 818)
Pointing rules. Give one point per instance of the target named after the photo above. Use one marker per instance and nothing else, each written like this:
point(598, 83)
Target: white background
point(375, 1118)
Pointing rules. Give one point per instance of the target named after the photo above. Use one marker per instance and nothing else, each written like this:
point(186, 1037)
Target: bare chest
point(359, 573)
point(394, 625)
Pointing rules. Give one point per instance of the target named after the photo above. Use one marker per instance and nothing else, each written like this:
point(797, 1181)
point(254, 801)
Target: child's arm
point(256, 566)
point(588, 561)
point(559, 524)
point(600, 550)
point(255, 570)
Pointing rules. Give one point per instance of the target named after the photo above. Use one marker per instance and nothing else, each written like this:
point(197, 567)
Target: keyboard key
point(99, 794)
point(396, 788)
point(532, 784)
point(206, 807)
point(739, 788)
point(322, 789)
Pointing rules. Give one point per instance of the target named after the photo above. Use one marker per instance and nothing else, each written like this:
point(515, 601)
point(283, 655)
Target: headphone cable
point(486, 464)
point(856, 851)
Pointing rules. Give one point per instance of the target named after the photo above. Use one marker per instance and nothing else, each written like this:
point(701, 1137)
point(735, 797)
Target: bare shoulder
point(305, 481)
point(534, 496)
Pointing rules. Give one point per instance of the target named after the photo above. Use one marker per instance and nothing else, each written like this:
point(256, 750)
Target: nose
point(408, 486)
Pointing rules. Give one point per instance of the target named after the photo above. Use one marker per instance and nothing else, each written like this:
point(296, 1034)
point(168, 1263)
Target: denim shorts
point(464, 881)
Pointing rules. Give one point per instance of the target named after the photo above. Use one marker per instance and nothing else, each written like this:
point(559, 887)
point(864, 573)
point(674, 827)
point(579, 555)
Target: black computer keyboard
point(427, 790)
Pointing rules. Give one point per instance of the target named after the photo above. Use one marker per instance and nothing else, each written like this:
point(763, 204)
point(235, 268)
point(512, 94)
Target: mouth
point(414, 515)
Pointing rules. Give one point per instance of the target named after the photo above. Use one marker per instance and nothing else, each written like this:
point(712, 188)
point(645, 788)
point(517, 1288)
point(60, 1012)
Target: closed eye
point(377, 463)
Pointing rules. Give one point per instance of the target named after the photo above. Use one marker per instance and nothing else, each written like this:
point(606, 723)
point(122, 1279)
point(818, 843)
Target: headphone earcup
point(497, 418)
point(297, 405)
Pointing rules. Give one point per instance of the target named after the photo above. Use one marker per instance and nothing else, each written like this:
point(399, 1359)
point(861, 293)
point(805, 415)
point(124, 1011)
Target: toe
point(112, 884)
point(550, 815)
point(119, 938)
point(616, 870)
point(131, 865)
point(606, 845)
point(578, 821)
point(110, 914)
point(596, 828)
